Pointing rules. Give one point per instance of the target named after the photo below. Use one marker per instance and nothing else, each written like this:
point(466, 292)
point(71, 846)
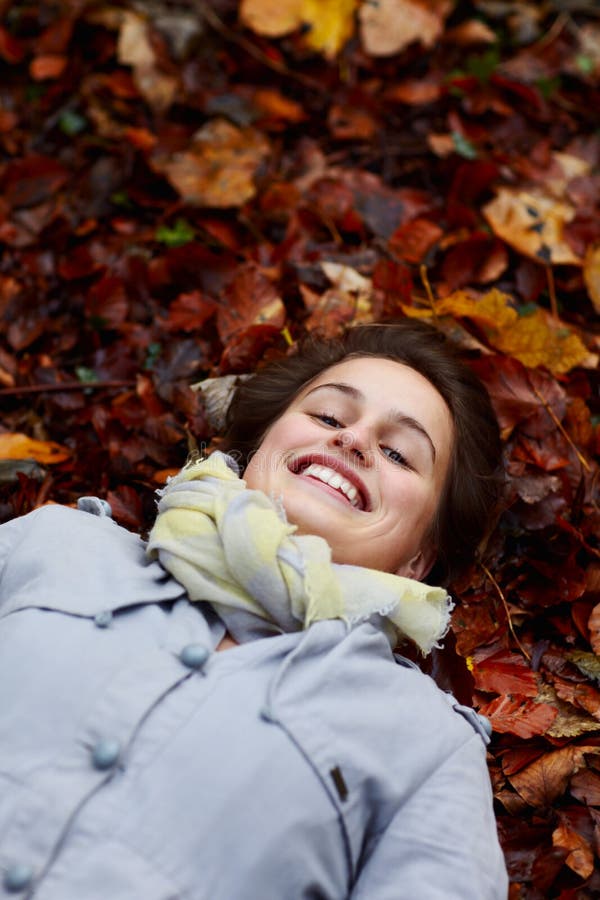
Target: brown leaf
point(219, 166)
point(47, 67)
point(389, 26)
point(190, 311)
point(585, 786)
point(413, 239)
point(581, 857)
point(591, 274)
point(250, 299)
point(544, 780)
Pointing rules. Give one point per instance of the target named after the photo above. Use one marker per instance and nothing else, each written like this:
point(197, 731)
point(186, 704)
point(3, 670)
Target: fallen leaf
point(532, 223)
point(537, 339)
point(326, 24)
point(544, 780)
point(134, 48)
point(47, 67)
point(585, 786)
point(15, 445)
point(591, 274)
point(249, 299)
point(389, 26)
point(504, 673)
point(580, 855)
point(413, 239)
point(519, 715)
point(218, 168)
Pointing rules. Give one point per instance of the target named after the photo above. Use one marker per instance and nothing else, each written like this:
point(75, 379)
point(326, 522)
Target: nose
point(355, 443)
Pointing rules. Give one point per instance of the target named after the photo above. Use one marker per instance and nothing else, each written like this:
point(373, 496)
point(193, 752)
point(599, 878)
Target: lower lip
point(337, 495)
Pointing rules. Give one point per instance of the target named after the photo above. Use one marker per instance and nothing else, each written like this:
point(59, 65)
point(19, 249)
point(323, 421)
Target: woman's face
point(360, 458)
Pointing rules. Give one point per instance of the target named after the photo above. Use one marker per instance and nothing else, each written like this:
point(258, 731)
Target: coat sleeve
point(10, 534)
point(442, 844)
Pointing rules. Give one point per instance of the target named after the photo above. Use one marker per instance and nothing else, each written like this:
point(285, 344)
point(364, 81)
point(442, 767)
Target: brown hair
point(472, 486)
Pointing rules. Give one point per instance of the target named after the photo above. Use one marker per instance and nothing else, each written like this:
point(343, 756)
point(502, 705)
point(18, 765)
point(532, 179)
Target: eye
point(396, 457)
point(328, 419)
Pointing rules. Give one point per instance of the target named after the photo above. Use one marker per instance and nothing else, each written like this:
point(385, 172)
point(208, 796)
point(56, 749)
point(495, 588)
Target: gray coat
point(137, 764)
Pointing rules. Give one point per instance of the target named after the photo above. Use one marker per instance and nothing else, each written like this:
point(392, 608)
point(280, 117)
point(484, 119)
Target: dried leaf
point(15, 445)
point(504, 673)
point(519, 715)
point(219, 167)
point(532, 223)
point(544, 780)
point(580, 855)
point(135, 49)
point(326, 24)
point(591, 274)
point(585, 786)
point(538, 340)
point(389, 26)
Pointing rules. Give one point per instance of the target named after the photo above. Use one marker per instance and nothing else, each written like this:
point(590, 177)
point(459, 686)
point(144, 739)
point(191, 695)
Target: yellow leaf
point(388, 26)
point(331, 23)
point(591, 274)
point(14, 445)
point(326, 24)
point(536, 341)
point(493, 309)
point(533, 224)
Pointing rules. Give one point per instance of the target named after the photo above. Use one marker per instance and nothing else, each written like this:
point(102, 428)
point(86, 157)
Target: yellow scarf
point(234, 548)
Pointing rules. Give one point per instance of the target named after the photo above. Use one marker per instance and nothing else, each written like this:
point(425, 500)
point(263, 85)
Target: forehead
point(386, 380)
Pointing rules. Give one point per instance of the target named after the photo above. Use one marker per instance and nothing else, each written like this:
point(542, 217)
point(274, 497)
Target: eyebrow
point(398, 417)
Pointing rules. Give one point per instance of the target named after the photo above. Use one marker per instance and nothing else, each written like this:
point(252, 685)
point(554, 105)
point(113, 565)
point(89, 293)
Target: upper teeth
point(334, 480)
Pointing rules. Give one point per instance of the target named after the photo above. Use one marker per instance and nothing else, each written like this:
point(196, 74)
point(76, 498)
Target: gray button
point(105, 754)
point(103, 619)
point(194, 655)
point(17, 877)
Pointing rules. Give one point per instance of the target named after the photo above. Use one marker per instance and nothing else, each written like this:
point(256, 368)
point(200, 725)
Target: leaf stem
point(506, 610)
point(66, 386)
point(561, 428)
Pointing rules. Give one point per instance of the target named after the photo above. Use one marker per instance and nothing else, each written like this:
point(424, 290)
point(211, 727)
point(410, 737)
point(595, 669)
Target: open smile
point(332, 472)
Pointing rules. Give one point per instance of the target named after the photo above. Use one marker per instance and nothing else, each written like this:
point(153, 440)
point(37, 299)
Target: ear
point(419, 565)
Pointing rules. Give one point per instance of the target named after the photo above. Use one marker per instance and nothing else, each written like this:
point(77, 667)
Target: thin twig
point(506, 610)
point(561, 428)
point(427, 286)
point(66, 386)
point(217, 23)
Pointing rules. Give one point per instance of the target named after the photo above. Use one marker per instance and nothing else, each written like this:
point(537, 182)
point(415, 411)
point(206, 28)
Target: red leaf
point(32, 180)
point(504, 673)
point(519, 715)
point(190, 311)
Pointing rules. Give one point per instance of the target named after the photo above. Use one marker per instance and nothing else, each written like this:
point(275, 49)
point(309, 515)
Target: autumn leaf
point(326, 24)
point(580, 856)
point(519, 715)
point(544, 780)
point(536, 339)
point(219, 166)
point(135, 49)
point(19, 446)
point(504, 673)
point(389, 26)
point(591, 274)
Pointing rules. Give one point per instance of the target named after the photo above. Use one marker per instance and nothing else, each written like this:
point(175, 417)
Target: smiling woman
point(390, 448)
point(423, 391)
point(307, 760)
